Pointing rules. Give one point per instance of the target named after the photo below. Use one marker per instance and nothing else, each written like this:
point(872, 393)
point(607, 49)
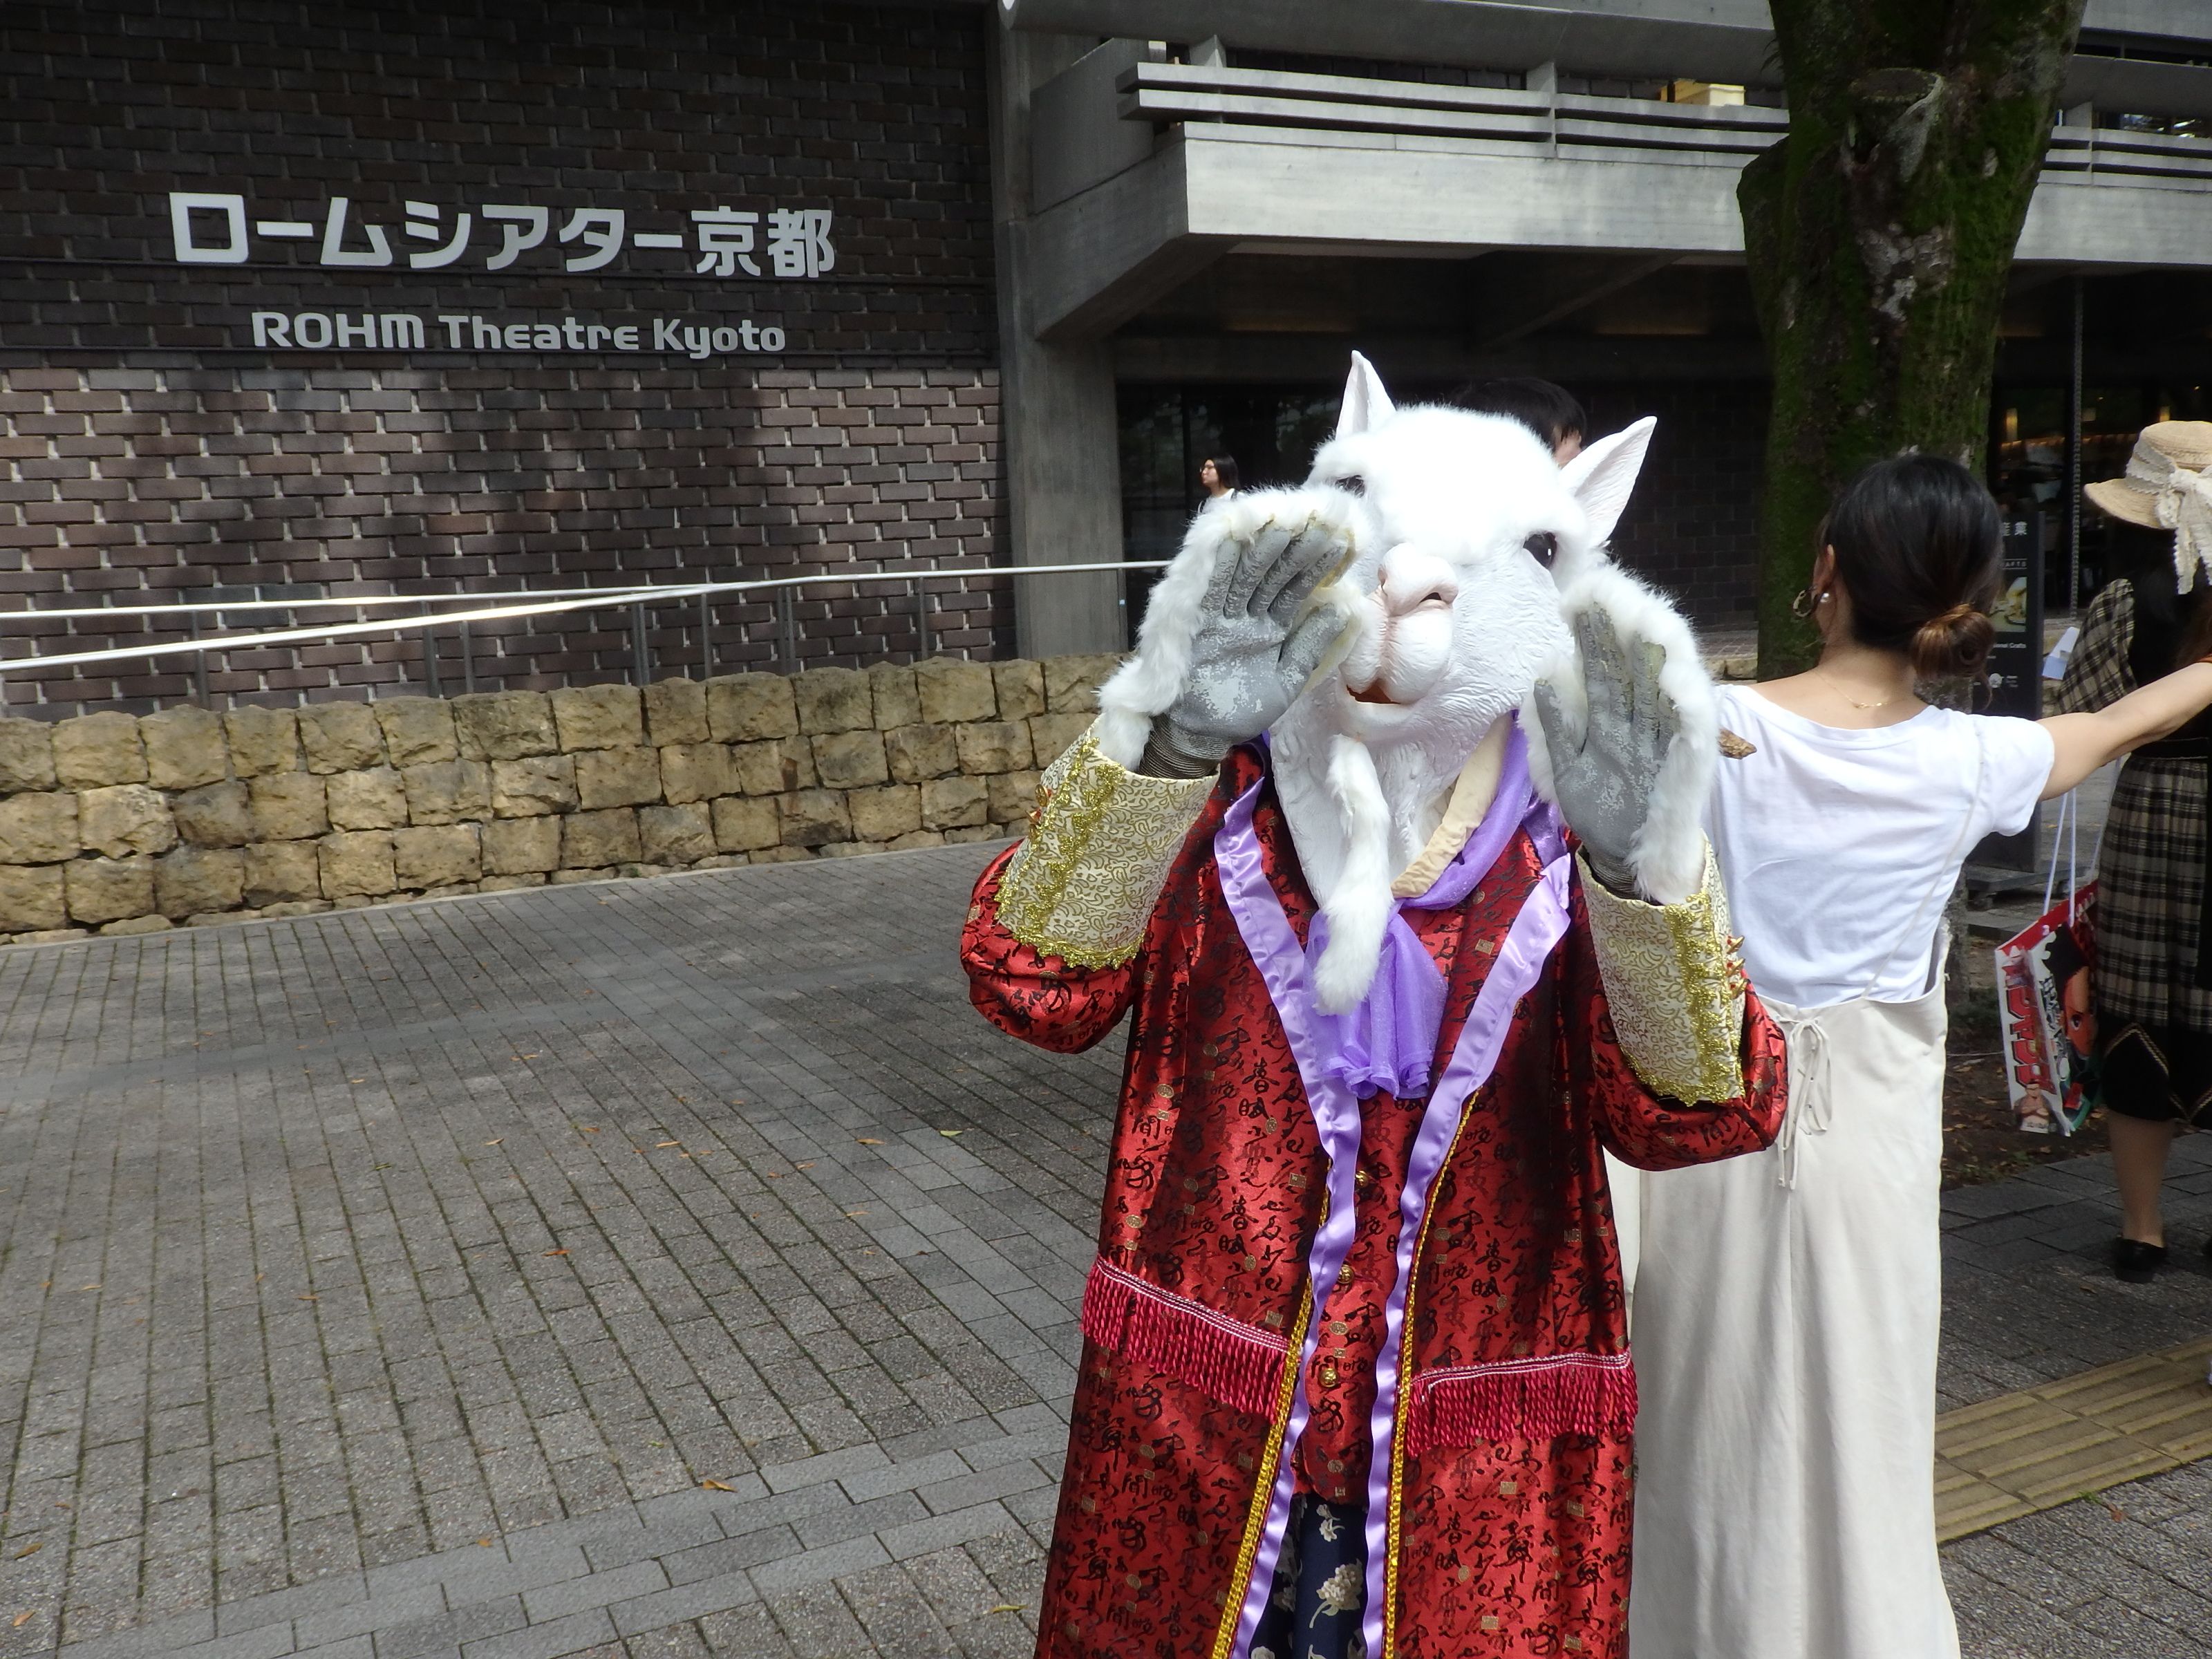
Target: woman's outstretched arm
point(2086, 742)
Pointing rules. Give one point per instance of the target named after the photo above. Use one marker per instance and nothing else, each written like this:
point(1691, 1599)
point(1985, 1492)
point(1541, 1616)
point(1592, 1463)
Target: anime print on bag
point(1386, 846)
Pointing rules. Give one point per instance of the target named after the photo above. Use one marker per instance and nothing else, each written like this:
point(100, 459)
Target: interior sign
point(212, 227)
point(405, 330)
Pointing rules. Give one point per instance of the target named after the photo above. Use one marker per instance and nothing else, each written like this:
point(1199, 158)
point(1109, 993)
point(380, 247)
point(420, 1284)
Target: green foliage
point(1880, 233)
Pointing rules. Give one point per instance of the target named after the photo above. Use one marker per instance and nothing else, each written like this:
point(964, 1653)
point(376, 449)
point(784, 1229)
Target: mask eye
point(1543, 547)
point(1352, 482)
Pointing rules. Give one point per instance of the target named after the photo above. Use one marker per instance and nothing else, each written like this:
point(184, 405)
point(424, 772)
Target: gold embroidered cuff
point(1676, 985)
point(1082, 884)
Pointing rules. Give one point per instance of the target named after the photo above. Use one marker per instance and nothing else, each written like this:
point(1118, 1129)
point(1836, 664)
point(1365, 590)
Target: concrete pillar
point(1058, 430)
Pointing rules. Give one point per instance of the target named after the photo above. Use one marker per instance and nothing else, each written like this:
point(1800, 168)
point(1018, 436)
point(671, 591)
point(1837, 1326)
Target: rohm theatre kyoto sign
point(717, 243)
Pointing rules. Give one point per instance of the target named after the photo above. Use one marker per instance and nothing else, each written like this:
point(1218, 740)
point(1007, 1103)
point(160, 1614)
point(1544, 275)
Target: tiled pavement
point(334, 1249)
point(2027, 1299)
point(387, 1283)
point(2026, 1296)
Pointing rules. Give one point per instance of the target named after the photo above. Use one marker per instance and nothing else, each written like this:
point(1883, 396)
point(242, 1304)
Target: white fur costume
point(1448, 503)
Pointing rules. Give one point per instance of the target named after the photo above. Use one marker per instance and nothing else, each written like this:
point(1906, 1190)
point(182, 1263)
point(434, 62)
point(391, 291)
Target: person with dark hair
point(1787, 1302)
point(2153, 983)
point(1552, 412)
point(1218, 475)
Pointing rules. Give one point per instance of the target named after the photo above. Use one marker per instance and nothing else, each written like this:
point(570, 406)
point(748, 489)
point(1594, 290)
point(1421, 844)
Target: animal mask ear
point(1600, 477)
point(1366, 405)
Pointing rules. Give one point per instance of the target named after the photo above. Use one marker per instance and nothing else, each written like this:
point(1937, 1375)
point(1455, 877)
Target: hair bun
point(1915, 540)
point(1954, 644)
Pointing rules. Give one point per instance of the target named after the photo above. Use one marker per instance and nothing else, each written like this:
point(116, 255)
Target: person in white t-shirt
point(1787, 1302)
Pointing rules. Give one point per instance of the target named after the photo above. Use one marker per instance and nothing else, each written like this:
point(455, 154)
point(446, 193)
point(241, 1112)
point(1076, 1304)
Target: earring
point(1801, 606)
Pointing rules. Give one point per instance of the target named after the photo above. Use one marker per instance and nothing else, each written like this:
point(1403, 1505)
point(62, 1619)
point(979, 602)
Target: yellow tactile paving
point(2048, 1445)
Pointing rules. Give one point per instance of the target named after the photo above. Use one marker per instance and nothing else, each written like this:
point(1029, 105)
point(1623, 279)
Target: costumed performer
point(1355, 1376)
point(1787, 1304)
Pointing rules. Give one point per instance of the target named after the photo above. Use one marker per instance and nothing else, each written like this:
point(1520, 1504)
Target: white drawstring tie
point(1812, 1100)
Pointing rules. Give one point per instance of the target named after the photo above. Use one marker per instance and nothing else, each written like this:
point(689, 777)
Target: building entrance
point(1168, 432)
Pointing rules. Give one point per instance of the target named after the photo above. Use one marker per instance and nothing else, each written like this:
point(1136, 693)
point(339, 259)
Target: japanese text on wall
point(213, 227)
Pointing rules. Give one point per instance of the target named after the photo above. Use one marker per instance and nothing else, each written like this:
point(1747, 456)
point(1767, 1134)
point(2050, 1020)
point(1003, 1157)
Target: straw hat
point(2167, 486)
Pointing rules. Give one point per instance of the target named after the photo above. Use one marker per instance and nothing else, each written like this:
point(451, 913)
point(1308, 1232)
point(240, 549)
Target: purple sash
point(1389, 1041)
point(1387, 1031)
point(1541, 924)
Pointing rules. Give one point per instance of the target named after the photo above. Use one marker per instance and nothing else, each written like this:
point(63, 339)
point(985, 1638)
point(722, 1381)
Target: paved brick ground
point(2028, 1298)
point(385, 1283)
point(2027, 1295)
point(335, 1250)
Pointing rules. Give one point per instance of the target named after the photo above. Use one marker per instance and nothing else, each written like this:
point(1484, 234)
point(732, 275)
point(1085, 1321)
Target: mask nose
point(1411, 580)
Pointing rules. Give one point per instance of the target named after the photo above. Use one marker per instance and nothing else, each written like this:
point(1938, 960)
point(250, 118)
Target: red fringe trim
point(1239, 1364)
point(1535, 1399)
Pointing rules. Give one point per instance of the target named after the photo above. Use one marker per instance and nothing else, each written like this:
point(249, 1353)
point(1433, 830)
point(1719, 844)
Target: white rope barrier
point(593, 599)
point(201, 607)
point(629, 595)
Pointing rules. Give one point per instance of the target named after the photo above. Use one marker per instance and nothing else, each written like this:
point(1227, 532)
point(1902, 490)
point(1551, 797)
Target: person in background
point(1552, 412)
point(1218, 475)
point(1787, 1302)
point(2152, 980)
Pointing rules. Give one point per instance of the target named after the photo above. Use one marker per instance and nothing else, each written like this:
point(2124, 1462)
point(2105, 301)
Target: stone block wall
point(121, 823)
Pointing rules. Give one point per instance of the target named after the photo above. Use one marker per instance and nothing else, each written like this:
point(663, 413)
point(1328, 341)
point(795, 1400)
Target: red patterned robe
point(1511, 1483)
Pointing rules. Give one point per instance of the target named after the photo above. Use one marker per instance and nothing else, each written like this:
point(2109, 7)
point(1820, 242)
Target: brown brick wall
point(145, 453)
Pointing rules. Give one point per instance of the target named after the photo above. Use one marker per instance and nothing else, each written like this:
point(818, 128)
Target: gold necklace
point(1863, 707)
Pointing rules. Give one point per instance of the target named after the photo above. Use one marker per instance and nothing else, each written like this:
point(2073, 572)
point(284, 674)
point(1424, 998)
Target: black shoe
point(2135, 1262)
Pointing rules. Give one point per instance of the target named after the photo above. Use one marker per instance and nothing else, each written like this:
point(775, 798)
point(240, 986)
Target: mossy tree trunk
point(1880, 233)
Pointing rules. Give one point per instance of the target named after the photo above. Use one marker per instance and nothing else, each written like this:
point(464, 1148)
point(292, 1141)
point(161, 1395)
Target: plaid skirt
point(2150, 895)
point(2160, 1073)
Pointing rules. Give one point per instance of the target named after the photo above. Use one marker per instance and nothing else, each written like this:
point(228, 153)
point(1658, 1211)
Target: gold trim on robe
point(1082, 884)
point(1675, 984)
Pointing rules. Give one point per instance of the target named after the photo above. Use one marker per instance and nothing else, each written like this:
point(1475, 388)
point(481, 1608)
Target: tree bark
point(1880, 233)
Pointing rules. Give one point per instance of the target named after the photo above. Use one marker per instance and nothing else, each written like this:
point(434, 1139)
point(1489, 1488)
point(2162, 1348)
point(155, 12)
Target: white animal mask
point(1464, 534)
point(1462, 538)
point(1468, 533)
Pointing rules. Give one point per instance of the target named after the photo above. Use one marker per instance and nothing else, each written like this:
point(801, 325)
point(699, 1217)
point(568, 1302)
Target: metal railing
point(499, 608)
point(2115, 152)
point(1553, 123)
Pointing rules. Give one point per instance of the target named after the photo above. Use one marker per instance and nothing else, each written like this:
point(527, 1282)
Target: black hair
point(2171, 629)
point(1916, 542)
point(1549, 411)
point(1224, 468)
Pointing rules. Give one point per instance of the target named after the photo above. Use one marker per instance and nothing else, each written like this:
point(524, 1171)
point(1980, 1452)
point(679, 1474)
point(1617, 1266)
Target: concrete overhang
point(1611, 37)
point(1727, 40)
point(2096, 225)
point(2137, 86)
point(2176, 23)
point(1098, 259)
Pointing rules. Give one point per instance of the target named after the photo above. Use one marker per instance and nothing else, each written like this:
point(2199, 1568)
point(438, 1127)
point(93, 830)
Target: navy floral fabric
point(1313, 1612)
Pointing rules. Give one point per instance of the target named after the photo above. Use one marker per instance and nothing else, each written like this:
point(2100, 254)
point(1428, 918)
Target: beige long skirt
point(1787, 1307)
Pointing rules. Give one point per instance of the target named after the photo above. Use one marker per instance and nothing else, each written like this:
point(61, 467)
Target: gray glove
point(1605, 779)
point(1251, 653)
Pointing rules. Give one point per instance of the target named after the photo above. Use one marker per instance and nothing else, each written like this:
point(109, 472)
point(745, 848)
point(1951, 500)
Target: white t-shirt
point(1829, 841)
